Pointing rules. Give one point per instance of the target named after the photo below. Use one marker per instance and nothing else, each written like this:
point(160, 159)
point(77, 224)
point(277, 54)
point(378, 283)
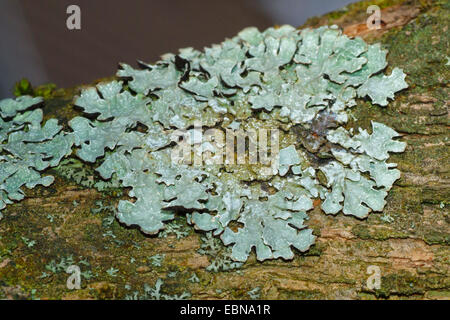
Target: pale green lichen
point(298, 82)
point(26, 147)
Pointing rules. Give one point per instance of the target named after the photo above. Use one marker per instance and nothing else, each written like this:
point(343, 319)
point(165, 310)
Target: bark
point(409, 241)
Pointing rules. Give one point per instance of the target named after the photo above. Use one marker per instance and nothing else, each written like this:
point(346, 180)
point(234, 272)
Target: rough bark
point(409, 241)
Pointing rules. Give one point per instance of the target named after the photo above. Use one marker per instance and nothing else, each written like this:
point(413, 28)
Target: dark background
point(36, 44)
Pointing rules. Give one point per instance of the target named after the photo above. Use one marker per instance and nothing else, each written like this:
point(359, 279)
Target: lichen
point(26, 147)
point(296, 85)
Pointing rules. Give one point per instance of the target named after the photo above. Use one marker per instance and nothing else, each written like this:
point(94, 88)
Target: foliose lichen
point(27, 147)
point(298, 84)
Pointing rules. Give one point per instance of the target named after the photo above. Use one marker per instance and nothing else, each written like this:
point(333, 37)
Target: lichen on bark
point(410, 244)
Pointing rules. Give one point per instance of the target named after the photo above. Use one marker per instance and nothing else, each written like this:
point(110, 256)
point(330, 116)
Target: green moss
point(316, 250)
point(420, 47)
point(355, 11)
point(46, 91)
point(441, 295)
point(23, 88)
point(364, 232)
point(407, 284)
point(301, 295)
point(366, 296)
point(435, 237)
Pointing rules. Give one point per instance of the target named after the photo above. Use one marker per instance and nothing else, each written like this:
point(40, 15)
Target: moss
point(365, 232)
point(355, 8)
point(435, 237)
point(407, 284)
point(316, 250)
point(366, 296)
point(441, 295)
point(301, 295)
point(355, 11)
point(420, 47)
point(23, 88)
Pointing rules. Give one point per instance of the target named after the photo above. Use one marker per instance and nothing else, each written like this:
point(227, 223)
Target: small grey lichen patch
point(27, 147)
point(155, 293)
point(76, 170)
point(300, 82)
point(220, 257)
